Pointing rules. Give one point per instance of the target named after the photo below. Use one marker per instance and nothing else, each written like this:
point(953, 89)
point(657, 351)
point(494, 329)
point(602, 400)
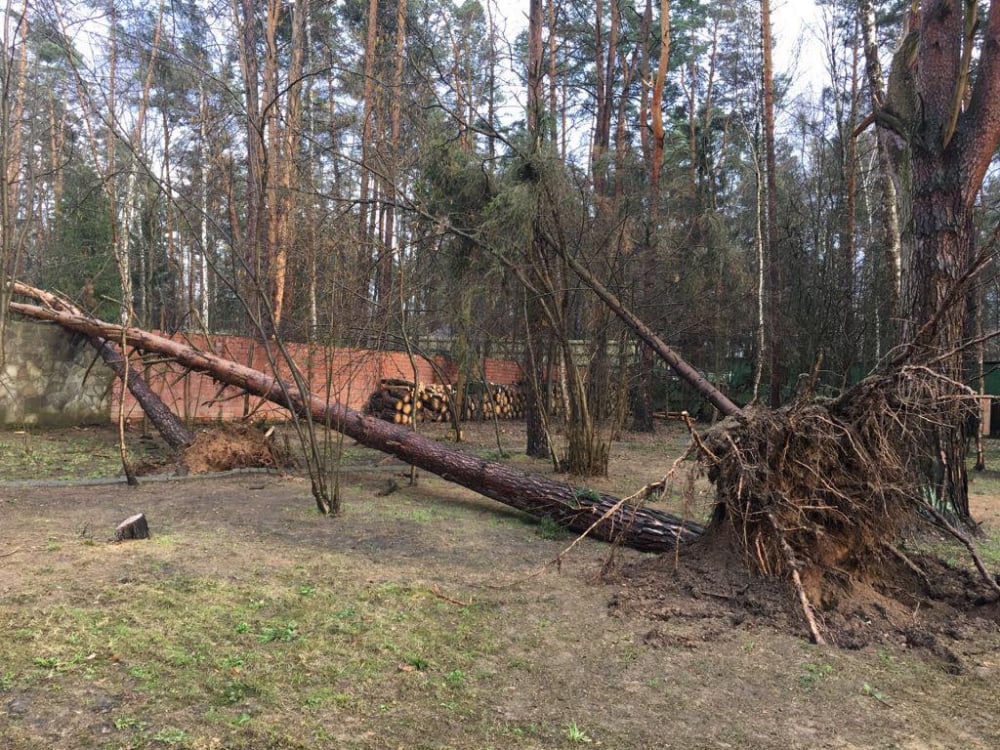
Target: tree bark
point(774, 336)
point(642, 396)
point(953, 134)
point(166, 422)
point(640, 528)
point(890, 212)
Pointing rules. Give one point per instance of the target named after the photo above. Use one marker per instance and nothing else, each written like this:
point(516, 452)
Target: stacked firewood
point(436, 402)
point(401, 402)
point(492, 400)
point(395, 401)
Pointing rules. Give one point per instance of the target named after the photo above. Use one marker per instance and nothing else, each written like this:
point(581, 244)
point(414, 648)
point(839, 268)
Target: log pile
point(485, 401)
point(396, 401)
point(402, 402)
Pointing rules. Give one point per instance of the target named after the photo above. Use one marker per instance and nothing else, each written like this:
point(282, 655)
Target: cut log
point(133, 527)
point(575, 509)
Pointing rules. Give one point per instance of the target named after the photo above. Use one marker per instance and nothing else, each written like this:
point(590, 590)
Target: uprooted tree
point(818, 491)
point(578, 510)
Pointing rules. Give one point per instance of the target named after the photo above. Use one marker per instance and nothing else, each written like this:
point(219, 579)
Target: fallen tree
point(604, 516)
point(818, 492)
point(166, 422)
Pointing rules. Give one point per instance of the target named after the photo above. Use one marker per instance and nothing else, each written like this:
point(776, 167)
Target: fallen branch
point(943, 522)
point(436, 590)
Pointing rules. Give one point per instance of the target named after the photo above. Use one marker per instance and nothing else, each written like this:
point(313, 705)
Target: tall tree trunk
point(774, 321)
point(368, 250)
point(253, 263)
point(953, 137)
point(13, 83)
point(642, 397)
point(893, 263)
point(537, 438)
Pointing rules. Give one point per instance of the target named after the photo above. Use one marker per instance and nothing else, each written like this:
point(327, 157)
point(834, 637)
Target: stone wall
point(50, 378)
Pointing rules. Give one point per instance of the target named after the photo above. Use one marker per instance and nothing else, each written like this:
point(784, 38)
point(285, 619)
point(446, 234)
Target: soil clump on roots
point(233, 446)
point(817, 508)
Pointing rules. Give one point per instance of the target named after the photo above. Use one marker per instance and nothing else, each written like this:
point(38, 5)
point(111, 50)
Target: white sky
point(797, 30)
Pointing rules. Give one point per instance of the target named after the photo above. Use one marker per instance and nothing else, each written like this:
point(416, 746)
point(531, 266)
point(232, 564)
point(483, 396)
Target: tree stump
point(133, 527)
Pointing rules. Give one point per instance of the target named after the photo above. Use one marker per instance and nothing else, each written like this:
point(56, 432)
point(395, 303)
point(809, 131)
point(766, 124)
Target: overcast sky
point(793, 20)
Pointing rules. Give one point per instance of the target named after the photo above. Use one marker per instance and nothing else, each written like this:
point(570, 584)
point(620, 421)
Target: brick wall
point(345, 375)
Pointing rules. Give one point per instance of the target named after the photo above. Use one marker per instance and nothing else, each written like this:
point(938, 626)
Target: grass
point(71, 454)
point(277, 629)
point(203, 657)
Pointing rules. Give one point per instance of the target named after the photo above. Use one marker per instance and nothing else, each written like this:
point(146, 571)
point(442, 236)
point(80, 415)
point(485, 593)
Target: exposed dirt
point(672, 652)
point(898, 608)
point(233, 446)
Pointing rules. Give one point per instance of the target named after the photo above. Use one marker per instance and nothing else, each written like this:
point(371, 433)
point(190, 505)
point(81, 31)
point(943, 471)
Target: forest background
point(409, 174)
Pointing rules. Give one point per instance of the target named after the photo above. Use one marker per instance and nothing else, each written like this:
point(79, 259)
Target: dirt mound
point(710, 581)
point(233, 446)
point(818, 494)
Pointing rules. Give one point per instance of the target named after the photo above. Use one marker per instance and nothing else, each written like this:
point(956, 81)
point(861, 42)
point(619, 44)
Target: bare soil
point(424, 617)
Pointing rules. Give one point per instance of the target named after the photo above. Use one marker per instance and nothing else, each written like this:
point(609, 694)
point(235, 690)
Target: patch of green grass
point(550, 530)
point(814, 673)
point(988, 548)
point(323, 697)
point(234, 644)
point(419, 515)
point(171, 736)
point(279, 633)
point(237, 691)
point(417, 662)
point(455, 678)
point(126, 723)
point(872, 692)
point(68, 454)
point(575, 734)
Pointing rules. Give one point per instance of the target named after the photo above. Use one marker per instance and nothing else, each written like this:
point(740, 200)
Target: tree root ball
point(820, 491)
point(233, 446)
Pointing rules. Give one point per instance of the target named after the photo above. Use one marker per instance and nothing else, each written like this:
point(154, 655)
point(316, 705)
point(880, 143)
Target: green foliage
point(279, 633)
point(575, 734)
point(81, 253)
point(549, 529)
point(872, 692)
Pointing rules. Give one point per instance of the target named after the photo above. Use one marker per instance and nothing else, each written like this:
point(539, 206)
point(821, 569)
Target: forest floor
point(425, 617)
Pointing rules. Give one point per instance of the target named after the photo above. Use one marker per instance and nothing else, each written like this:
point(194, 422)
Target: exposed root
point(819, 491)
point(793, 564)
point(233, 446)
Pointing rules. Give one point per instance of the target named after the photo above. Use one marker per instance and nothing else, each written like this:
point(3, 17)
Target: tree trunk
point(642, 393)
point(166, 422)
point(774, 336)
point(886, 171)
point(575, 509)
point(954, 131)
